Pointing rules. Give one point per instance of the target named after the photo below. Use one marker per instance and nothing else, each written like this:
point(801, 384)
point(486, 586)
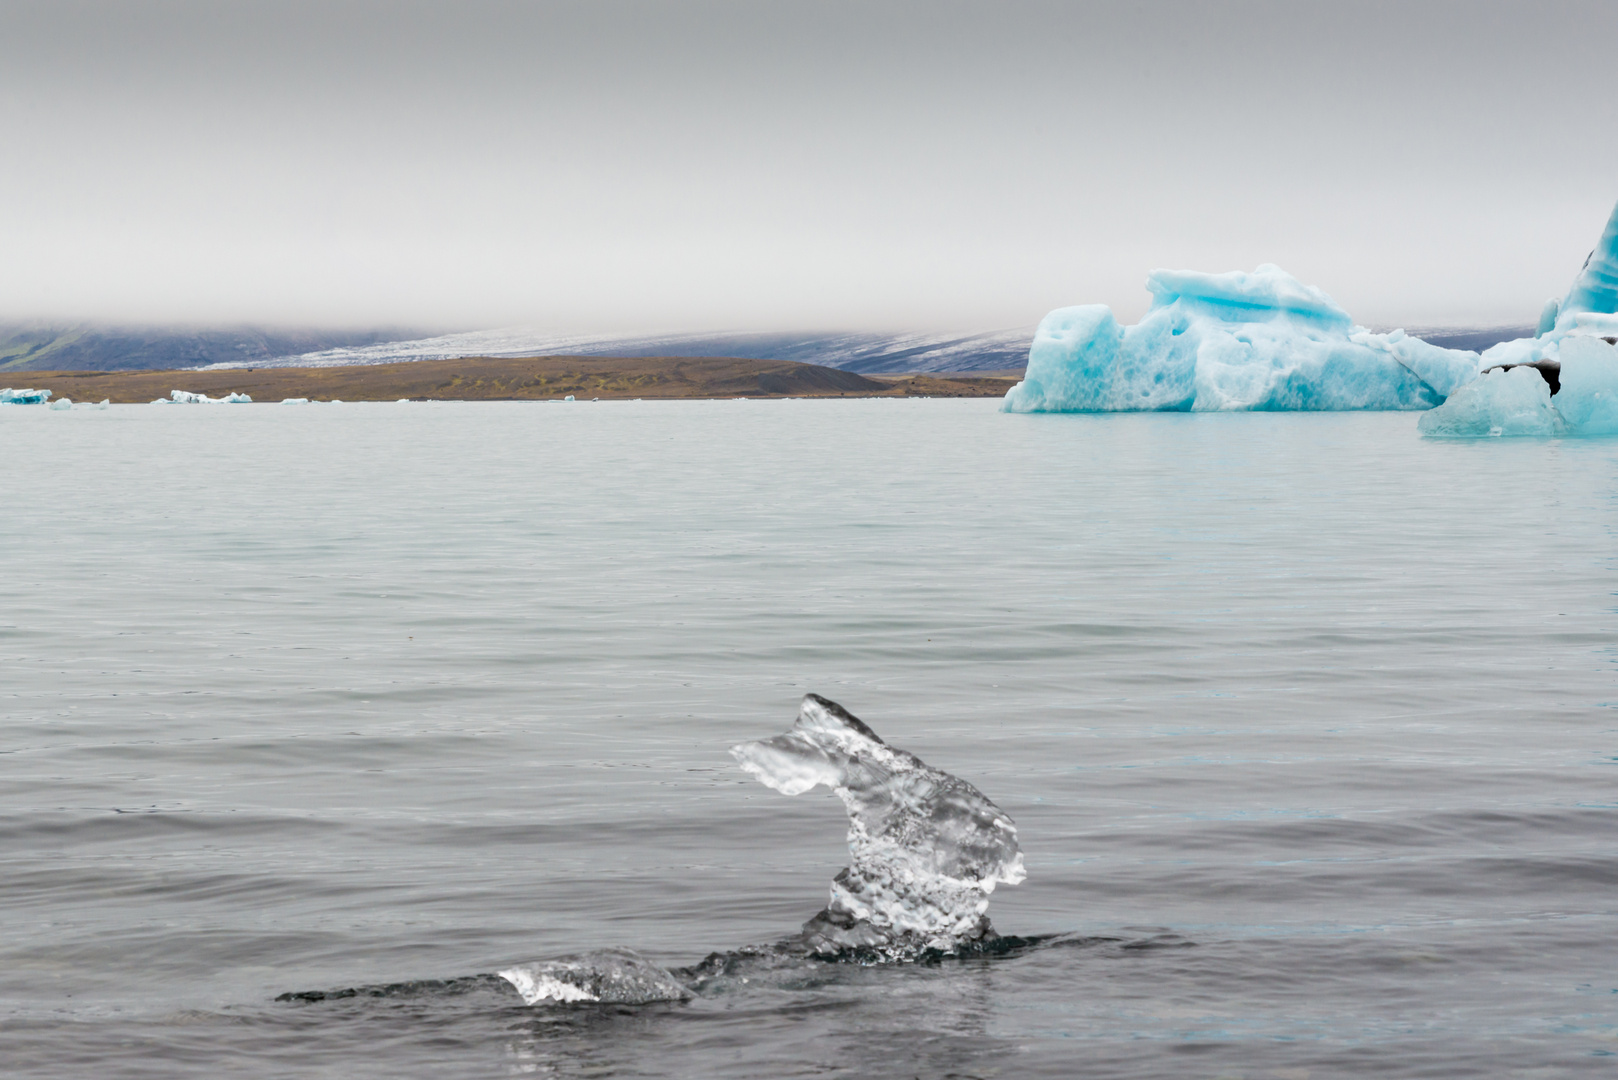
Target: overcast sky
point(608, 166)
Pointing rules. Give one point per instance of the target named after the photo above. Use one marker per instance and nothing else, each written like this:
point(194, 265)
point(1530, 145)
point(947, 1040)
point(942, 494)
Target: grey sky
point(635, 166)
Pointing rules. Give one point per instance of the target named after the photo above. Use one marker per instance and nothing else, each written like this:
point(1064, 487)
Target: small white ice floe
point(294, 401)
point(568, 398)
point(61, 404)
point(185, 397)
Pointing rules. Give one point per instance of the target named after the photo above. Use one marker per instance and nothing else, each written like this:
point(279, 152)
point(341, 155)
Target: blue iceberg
point(1225, 342)
point(1573, 356)
point(1266, 341)
point(8, 396)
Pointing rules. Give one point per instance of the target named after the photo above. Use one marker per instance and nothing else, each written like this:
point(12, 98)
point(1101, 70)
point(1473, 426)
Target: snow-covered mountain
point(859, 352)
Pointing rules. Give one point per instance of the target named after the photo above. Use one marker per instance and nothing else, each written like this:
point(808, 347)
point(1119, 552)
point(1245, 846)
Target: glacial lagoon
point(1306, 723)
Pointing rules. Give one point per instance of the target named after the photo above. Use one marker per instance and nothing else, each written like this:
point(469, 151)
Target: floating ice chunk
point(1588, 399)
point(1234, 341)
point(61, 404)
point(568, 398)
point(295, 401)
point(613, 976)
point(927, 848)
point(9, 396)
point(1497, 403)
point(185, 397)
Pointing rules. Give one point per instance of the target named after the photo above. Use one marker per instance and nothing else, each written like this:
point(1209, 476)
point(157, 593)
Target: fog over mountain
point(627, 167)
point(89, 347)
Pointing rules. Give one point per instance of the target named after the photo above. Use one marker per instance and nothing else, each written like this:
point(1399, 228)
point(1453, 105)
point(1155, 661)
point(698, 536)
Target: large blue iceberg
point(1236, 341)
point(1266, 341)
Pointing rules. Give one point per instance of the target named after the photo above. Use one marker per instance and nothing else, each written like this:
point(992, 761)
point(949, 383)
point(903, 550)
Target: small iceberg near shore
point(184, 397)
point(8, 396)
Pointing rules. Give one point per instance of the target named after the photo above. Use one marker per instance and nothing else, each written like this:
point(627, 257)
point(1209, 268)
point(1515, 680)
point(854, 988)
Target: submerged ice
point(926, 848)
point(610, 976)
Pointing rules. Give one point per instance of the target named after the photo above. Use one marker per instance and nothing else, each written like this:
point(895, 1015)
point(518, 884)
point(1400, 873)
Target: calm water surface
point(1310, 728)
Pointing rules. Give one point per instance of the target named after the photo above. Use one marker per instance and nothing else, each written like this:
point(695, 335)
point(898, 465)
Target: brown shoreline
point(532, 378)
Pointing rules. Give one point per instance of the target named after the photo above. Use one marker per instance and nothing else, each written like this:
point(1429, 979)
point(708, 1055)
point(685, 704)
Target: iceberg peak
point(1595, 290)
point(1266, 294)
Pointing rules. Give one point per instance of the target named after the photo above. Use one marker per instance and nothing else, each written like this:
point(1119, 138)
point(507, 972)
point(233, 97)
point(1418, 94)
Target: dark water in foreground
point(1308, 727)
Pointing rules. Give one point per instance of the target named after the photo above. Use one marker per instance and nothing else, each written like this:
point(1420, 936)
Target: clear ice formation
point(185, 397)
point(927, 848)
point(1266, 341)
point(8, 396)
point(610, 976)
